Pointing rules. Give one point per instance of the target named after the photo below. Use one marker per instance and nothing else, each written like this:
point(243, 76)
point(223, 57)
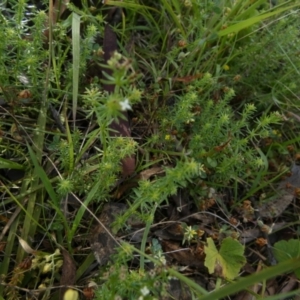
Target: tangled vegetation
point(210, 92)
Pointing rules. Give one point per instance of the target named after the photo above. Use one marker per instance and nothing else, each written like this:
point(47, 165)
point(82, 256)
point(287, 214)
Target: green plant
point(285, 250)
point(182, 69)
point(226, 262)
point(121, 282)
point(278, 83)
point(216, 136)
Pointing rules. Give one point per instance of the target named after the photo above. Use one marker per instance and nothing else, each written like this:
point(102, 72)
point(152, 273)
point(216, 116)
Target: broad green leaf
point(211, 257)
point(232, 255)
point(228, 260)
point(285, 250)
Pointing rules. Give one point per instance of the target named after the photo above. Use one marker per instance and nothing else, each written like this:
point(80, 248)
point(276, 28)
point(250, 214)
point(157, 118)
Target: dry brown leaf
point(172, 232)
point(26, 263)
point(261, 242)
point(275, 207)
point(286, 194)
point(89, 293)
point(144, 175)
point(25, 246)
point(24, 94)
point(191, 256)
point(188, 78)
point(2, 246)
point(103, 243)
point(291, 284)
point(4, 219)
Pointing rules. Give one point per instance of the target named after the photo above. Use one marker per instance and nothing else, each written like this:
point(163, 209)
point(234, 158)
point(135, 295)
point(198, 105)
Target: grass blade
point(245, 282)
point(251, 21)
point(76, 60)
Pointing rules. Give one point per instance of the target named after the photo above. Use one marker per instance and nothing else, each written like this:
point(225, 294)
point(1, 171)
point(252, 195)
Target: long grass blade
point(245, 282)
point(76, 61)
point(251, 21)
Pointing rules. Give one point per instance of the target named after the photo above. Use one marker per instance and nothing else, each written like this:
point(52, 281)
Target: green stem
point(145, 235)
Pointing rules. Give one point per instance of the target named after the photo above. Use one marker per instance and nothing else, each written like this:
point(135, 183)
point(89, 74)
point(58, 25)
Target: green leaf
point(243, 283)
point(211, 253)
point(47, 185)
point(8, 164)
point(45, 179)
point(212, 162)
point(76, 60)
point(217, 10)
point(251, 21)
point(228, 261)
point(285, 250)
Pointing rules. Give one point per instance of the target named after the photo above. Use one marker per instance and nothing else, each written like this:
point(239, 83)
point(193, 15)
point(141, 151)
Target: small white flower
point(125, 105)
point(145, 291)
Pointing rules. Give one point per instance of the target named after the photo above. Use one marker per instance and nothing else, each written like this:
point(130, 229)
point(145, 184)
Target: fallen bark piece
point(68, 277)
point(103, 243)
point(286, 194)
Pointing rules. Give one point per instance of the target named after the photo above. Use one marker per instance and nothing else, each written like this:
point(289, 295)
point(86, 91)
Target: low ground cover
point(149, 150)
